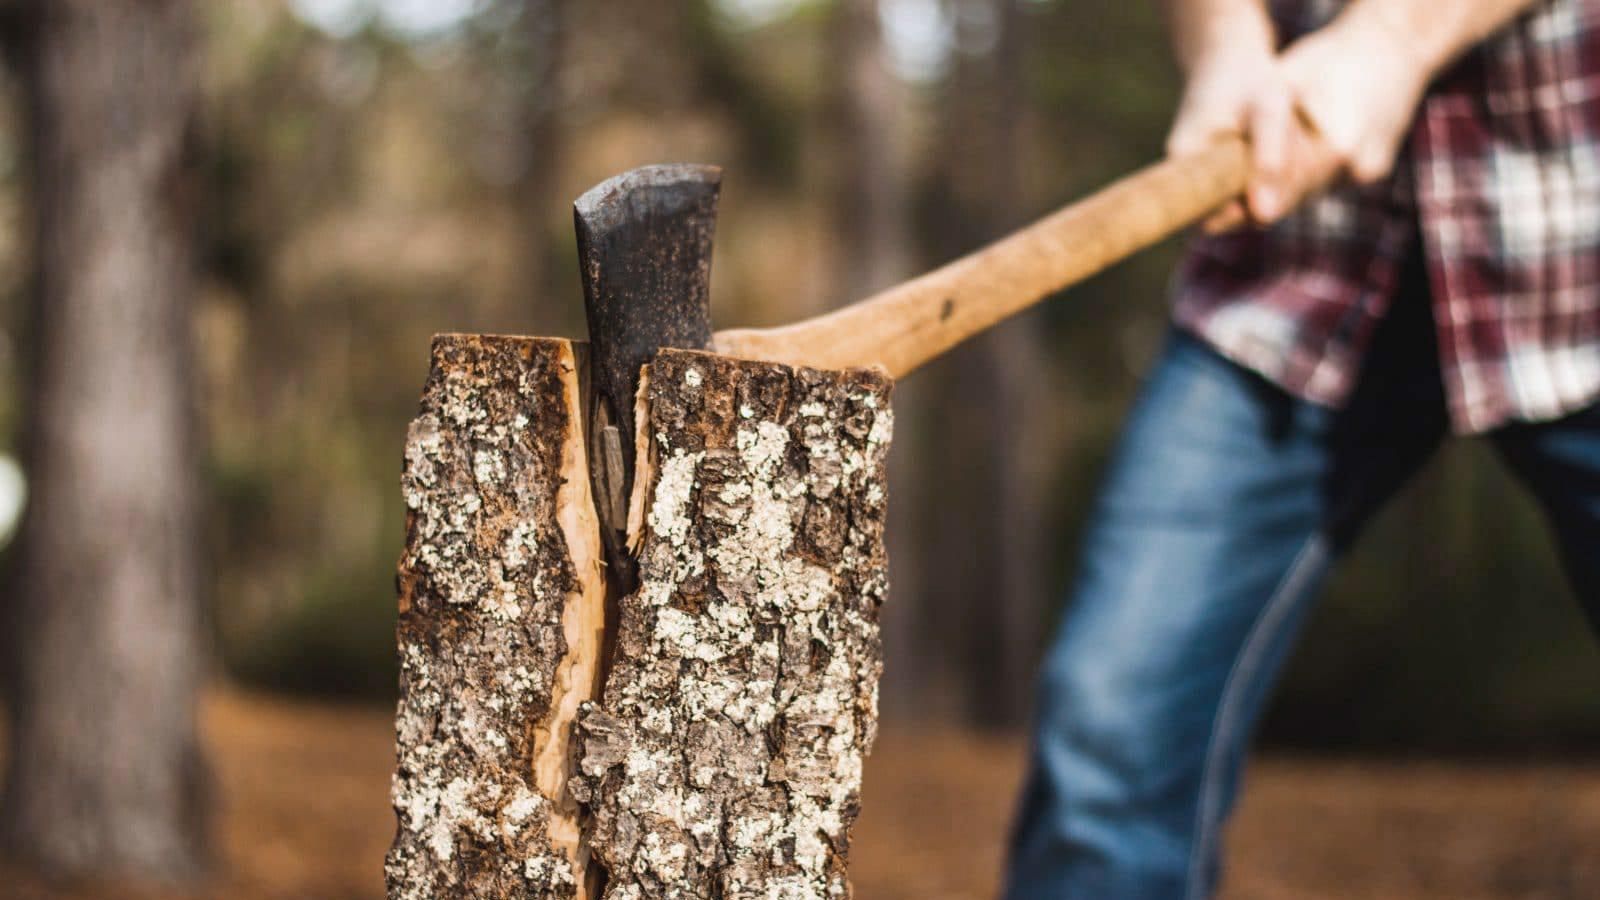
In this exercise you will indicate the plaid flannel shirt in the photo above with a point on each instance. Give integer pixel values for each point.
(1501, 179)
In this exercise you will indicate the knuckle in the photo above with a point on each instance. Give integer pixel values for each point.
(1179, 140)
(1344, 153)
(1370, 168)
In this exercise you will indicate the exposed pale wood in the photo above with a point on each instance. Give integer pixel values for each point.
(501, 610)
(725, 759)
(616, 472)
(644, 463)
(583, 622)
(907, 325)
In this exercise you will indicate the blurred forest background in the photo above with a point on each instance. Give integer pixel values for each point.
(374, 171)
(365, 173)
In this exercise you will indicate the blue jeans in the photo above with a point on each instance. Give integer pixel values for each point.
(1225, 505)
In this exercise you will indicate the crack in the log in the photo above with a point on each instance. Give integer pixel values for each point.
(733, 697)
(762, 546)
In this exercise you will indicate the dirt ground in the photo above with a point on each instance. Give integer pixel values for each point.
(304, 815)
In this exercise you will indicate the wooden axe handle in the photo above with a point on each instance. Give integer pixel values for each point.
(911, 323)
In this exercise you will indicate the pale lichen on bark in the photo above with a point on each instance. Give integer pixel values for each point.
(725, 758)
(489, 579)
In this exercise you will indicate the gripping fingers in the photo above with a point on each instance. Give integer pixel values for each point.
(1272, 124)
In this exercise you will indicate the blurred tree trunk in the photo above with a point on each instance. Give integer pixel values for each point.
(870, 221)
(105, 771)
(871, 218)
(1016, 358)
(984, 587)
(544, 27)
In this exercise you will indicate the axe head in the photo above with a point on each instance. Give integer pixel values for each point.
(644, 254)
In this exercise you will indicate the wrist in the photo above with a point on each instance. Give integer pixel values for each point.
(1387, 29)
(1223, 31)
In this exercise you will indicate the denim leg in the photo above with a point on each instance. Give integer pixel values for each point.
(1211, 499)
(1218, 521)
(1560, 463)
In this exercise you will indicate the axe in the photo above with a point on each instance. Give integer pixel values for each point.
(644, 245)
(760, 500)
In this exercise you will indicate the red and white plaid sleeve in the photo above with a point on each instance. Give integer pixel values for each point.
(1502, 183)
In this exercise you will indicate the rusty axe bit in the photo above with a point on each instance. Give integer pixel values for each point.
(644, 254)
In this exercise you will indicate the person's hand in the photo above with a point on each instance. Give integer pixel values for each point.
(1236, 84)
(1337, 103)
(1359, 82)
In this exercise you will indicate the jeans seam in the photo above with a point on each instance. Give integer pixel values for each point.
(1225, 720)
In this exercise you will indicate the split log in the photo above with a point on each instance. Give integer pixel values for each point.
(501, 612)
(725, 758)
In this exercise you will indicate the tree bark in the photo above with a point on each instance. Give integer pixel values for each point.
(725, 759)
(501, 610)
(104, 773)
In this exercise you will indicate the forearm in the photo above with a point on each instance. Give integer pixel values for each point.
(1199, 27)
(1435, 32)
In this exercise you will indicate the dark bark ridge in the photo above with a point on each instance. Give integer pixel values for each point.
(725, 757)
(484, 583)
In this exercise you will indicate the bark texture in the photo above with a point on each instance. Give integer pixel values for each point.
(104, 763)
(725, 758)
(501, 608)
